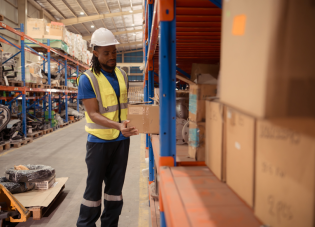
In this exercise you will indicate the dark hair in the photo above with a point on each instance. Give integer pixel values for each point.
(95, 64)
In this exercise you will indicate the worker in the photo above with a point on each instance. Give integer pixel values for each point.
(103, 90)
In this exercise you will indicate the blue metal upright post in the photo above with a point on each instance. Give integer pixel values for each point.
(167, 79)
(23, 79)
(78, 104)
(66, 94)
(49, 82)
(44, 64)
(145, 93)
(150, 90)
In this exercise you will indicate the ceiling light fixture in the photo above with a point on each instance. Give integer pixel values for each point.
(133, 24)
(134, 33)
(82, 13)
(130, 11)
(92, 26)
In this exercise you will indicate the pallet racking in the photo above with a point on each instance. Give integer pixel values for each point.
(178, 33)
(48, 96)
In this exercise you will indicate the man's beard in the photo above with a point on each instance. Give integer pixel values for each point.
(109, 67)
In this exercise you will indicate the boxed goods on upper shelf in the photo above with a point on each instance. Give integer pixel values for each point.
(36, 28)
(267, 57)
(60, 38)
(55, 30)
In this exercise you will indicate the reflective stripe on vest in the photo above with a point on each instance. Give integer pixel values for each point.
(108, 103)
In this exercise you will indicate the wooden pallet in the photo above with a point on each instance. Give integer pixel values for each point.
(46, 131)
(46, 86)
(56, 127)
(62, 87)
(35, 135)
(15, 83)
(39, 212)
(20, 143)
(1, 17)
(5, 146)
(65, 124)
(36, 85)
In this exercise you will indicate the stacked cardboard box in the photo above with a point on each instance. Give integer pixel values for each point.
(55, 30)
(265, 141)
(36, 28)
(198, 93)
(268, 57)
(71, 43)
(215, 155)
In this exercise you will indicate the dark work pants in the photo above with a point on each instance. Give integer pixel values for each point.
(105, 162)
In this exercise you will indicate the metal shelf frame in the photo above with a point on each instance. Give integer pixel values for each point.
(22, 91)
(171, 42)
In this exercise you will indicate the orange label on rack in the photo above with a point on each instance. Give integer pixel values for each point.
(239, 24)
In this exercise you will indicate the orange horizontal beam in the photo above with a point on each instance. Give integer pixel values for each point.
(200, 41)
(198, 34)
(171, 199)
(194, 18)
(198, 11)
(198, 24)
(194, 37)
(193, 29)
(195, 3)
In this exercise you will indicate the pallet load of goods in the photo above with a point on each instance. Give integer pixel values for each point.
(35, 188)
(70, 43)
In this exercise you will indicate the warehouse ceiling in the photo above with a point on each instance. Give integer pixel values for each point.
(122, 17)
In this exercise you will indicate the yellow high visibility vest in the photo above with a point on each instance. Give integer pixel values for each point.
(108, 103)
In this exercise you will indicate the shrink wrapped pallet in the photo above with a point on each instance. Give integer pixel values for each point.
(15, 187)
(36, 173)
(33, 73)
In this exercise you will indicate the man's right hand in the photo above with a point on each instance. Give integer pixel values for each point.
(127, 132)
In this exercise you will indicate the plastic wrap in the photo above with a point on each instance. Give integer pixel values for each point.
(33, 73)
(78, 47)
(71, 112)
(14, 187)
(36, 173)
(6, 56)
(53, 68)
(74, 106)
(68, 38)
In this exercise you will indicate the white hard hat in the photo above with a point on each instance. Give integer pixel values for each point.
(103, 37)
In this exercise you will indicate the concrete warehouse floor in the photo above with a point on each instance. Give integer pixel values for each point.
(65, 150)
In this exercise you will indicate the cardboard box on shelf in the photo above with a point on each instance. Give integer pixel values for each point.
(204, 69)
(268, 62)
(196, 143)
(197, 95)
(145, 118)
(55, 30)
(285, 172)
(215, 154)
(36, 28)
(240, 153)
